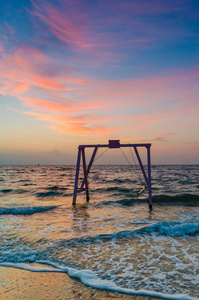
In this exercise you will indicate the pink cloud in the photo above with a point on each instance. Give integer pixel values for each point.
(69, 25)
(59, 107)
(28, 67)
(18, 72)
(102, 37)
(105, 100)
(92, 106)
(60, 24)
(78, 29)
(22, 74)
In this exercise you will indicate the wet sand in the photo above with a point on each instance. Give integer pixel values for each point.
(22, 284)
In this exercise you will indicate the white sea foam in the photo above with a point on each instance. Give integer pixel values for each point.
(89, 278)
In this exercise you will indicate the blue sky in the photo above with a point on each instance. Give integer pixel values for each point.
(80, 72)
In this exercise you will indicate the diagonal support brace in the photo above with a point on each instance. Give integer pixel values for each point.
(88, 169)
(141, 166)
(84, 167)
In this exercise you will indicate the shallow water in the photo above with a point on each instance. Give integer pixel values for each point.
(112, 242)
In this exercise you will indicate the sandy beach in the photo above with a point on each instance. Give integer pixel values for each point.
(22, 284)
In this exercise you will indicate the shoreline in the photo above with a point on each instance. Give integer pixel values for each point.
(22, 284)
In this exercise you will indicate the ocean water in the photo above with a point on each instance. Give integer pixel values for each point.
(113, 242)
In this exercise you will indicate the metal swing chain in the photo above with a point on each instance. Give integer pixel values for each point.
(136, 167)
(101, 154)
(136, 171)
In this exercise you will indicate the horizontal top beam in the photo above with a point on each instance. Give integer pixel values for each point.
(121, 145)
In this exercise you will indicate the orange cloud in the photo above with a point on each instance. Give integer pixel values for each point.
(73, 125)
(57, 106)
(47, 105)
(81, 129)
(95, 106)
(73, 117)
(28, 67)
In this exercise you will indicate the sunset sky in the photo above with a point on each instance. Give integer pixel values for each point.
(85, 71)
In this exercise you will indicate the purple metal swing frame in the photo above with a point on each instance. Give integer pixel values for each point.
(113, 144)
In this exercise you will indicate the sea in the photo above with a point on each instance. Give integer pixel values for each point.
(113, 242)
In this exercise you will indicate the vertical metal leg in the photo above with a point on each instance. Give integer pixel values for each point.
(89, 167)
(84, 166)
(77, 176)
(149, 177)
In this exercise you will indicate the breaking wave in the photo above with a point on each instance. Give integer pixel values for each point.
(161, 228)
(175, 228)
(24, 210)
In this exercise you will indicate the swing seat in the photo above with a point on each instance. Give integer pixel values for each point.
(142, 190)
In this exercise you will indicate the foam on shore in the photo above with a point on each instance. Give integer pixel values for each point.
(89, 278)
(18, 284)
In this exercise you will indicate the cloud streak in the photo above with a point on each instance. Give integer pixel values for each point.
(90, 103)
(89, 69)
